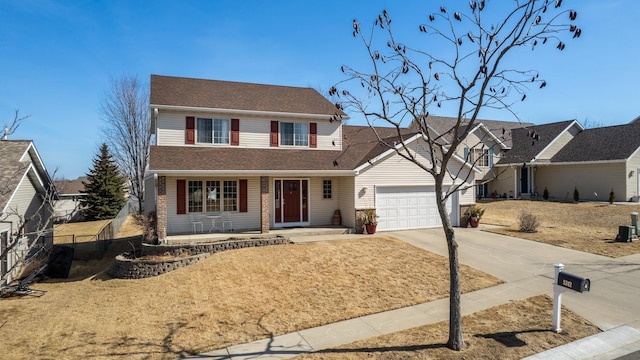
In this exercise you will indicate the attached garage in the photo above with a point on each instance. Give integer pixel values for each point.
(410, 207)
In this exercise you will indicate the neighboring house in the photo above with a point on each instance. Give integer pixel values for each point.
(565, 156)
(26, 193)
(483, 147)
(275, 156)
(67, 207)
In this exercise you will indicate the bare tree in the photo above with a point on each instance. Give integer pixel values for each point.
(461, 64)
(13, 126)
(124, 108)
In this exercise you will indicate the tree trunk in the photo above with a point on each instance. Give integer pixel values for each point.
(455, 342)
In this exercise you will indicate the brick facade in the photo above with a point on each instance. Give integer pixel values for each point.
(264, 204)
(161, 211)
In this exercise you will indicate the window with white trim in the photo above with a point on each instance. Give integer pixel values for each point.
(294, 134)
(213, 131)
(326, 189)
(216, 195)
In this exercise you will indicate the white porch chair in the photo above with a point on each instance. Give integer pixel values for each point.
(226, 219)
(195, 220)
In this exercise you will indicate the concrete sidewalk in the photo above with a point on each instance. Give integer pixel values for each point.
(527, 268)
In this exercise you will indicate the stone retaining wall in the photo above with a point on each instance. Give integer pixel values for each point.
(126, 266)
(212, 247)
(131, 268)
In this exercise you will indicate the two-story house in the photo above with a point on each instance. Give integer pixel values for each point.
(275, 156)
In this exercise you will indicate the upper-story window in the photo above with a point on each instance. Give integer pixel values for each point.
(213, 131)
(480, 157)
(294, 134)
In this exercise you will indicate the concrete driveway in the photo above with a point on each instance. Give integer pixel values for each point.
(614, 299)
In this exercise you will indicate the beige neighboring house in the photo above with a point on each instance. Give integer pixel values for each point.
(565, 156)
(273, 156)
(26, 192)
(68, 207)
(520, 160)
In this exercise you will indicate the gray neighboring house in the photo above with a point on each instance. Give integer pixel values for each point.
(26, 192)
(68, 207)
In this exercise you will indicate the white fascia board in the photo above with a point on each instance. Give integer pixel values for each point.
(634, 153)
(386, 153)
(594, 162)
(25, 174)
(40, 170)
(254, 172)
(246, 112)
(490, 133)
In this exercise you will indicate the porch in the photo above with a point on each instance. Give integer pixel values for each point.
(188, 238)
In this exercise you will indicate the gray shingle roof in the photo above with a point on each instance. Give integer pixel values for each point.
(442, 124)
(525, 148)
(180, 91)
(601, 144)
(11, 168)
(360, 145)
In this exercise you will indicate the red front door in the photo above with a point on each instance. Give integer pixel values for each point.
(291, 200)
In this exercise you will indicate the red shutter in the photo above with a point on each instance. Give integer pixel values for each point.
(274, 133)
(243, 196)
(181, 198)
(235, 132)
(190, 130)
(313, 135)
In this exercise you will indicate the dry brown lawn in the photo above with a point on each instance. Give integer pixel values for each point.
(84, 231)
(229, 298)
(589, 227)
(510, 331)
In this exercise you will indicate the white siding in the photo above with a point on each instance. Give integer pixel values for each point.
(181, 224)
(321, 212)
(346, 188)
(254, 131)
(632, 176)
(394, 171)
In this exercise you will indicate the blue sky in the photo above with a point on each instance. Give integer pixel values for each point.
(57, 58)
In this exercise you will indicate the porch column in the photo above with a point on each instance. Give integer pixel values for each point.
(264, 204)
(516, 177)
(161, 208)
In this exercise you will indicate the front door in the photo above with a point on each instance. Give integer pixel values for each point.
(291, 200)
(524, 181)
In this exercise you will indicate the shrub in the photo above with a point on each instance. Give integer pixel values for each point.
(527, 222)
(576, 194)
(612, 197)
(545, 194)
(476, 212)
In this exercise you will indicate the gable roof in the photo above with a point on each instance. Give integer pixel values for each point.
(525, 148)
(601, 144)
(70, 187)
(230, 95)
(18, 159)
(500, 129)
(360, 145)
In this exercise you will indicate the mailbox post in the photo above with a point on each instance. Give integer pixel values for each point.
(562, 282)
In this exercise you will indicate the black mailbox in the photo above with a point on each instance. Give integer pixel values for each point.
(573, 282)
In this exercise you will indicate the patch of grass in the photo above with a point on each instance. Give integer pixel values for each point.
(510, 331)
(588, 227)
(229, 298)
(84, 231)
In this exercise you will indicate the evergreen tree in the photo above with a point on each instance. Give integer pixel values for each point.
(104, 188)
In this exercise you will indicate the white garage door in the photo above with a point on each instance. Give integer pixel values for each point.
(408, 207)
